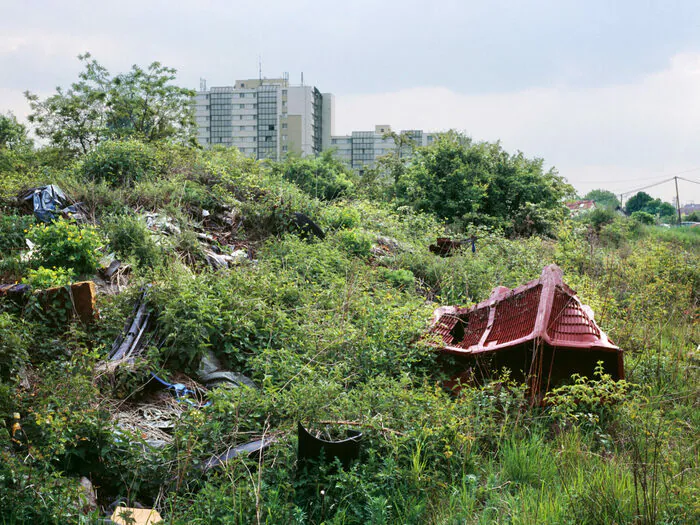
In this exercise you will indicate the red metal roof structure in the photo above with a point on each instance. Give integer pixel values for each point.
(539, 330)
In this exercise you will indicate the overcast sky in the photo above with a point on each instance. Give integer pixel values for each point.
(607, 91)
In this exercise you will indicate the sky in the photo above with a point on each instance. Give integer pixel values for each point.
(605, 91)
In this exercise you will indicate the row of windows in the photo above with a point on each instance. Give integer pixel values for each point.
(244, 95)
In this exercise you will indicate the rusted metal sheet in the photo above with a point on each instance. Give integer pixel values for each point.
(543, 314)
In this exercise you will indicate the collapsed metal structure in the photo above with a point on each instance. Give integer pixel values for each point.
(540, 331)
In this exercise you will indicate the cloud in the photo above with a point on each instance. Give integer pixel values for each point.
(612, 137)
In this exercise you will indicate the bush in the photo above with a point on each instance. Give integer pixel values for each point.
(599, 217)
(324, 177)
(398, 278)
(42, 278)
(66, 244)
(13, 344)
(129, 237)
(120, 162)
(643, 217)
(355, 242)
(13, 229)
(342, 216)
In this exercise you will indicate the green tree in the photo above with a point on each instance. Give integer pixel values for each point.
(604, 198)
(638, 202)
(462, 181)
(144, 104)
(13, 134)
(141, 104)
(15, 145)
(324, 177)
(74, 119)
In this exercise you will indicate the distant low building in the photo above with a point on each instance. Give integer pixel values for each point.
(690, 208)
(362, 149)
(582, 206)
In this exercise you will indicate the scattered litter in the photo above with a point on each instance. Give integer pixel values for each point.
(110, 270)
(49, 201)
(249, 449)
(182, 393)
(205, 213)
(133, 516)
(444, 246)
(387, 246)
(313, 448)
(149, 421)
(161, 223)
(222, 261)
(307, 227)
(13, 290)
(211, 373)
(540, 331)
(89, 493)
(130, 343)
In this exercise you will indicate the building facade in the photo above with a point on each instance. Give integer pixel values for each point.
(270, 118)
(362, 149)
(265, 118)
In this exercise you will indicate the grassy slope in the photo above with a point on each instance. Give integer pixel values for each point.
(332, 333)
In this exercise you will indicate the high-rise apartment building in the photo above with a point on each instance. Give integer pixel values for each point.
(265, 118)
(361, 149)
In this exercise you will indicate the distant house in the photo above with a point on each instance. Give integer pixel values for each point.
(690, 208)
(582, 206)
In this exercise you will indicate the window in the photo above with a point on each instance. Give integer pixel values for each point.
(284, 92)
(284, 125)
(284, 148)
(271, 127)
(284, 138)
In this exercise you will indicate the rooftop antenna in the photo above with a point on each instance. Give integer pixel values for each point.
(260, 67)
(302, 78)
(202, 84)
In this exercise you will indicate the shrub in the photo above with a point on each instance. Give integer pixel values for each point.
(325, 177)
(13, 229)
(13, 344)
(46, 277)
(643, 217)
(66, 244)
(599, 217)
(129, 237)
(398, 278)
(120, 162)
(342, 216)
(355, 242)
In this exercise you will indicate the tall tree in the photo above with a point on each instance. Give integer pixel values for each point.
(638, 202)
(604, 198)
(141, 104)
(459, 180)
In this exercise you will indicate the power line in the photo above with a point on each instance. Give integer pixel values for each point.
(646, 187)
(644, 179)
(688, 180)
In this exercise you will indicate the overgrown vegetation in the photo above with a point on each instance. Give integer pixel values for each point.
(333, 330)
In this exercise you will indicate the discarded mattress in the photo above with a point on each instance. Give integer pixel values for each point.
(540, 331)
